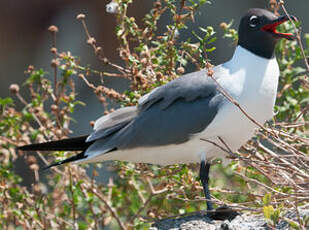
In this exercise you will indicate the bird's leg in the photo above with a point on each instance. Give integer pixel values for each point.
(204, 177)
(221, 213)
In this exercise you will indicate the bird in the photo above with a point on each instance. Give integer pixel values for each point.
(171, 123)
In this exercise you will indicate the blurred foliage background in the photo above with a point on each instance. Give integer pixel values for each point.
(102, 60)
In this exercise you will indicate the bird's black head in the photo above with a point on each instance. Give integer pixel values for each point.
(258, 34)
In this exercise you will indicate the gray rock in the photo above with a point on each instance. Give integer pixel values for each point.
(198, 221)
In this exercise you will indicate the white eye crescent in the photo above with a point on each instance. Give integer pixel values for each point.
(254, 21)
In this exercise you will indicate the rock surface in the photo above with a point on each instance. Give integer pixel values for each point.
(199, 221)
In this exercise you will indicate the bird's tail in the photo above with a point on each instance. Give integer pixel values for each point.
(70, 144)
(70, 159)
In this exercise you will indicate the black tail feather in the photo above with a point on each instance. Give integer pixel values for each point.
(69, 144)
(70, 159)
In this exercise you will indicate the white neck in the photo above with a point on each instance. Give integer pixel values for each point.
(252, 81)
(243, 58)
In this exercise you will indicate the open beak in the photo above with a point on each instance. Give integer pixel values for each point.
(271, 27)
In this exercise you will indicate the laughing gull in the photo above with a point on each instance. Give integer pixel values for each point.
(171, 123)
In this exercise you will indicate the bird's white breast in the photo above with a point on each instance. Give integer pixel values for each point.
(252, 81)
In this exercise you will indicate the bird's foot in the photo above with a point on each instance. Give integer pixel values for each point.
(222, 213)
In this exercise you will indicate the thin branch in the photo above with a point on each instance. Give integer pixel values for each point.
(109, 207)
(98, 50)
(53, 30)
(232, 100)
(72, 199)
(297, 35)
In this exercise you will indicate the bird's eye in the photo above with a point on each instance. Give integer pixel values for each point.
(254, 21)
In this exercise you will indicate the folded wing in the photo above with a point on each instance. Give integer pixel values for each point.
(171, 114)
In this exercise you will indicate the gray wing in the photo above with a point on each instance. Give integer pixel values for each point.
(170, 114)
(188, 87)
(173, 125)
(111, 123)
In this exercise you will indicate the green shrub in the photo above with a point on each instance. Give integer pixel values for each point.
(276, 159)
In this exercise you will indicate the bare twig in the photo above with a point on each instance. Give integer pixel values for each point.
(53, 30)
(297, 35)
(98, 50)
(232, 100)
(72, 199)
(109, 207)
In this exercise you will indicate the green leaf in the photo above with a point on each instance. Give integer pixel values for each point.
(212, 40)
(210, 49)
(82, 225)
(6, 101)
(268, 211)
(36, 76)
(294, 225)
(275, 216)
(267, 199)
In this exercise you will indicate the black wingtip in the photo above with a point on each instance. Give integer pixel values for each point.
(25, 148)
(68, 144)
(50, 166)
(70, 159)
